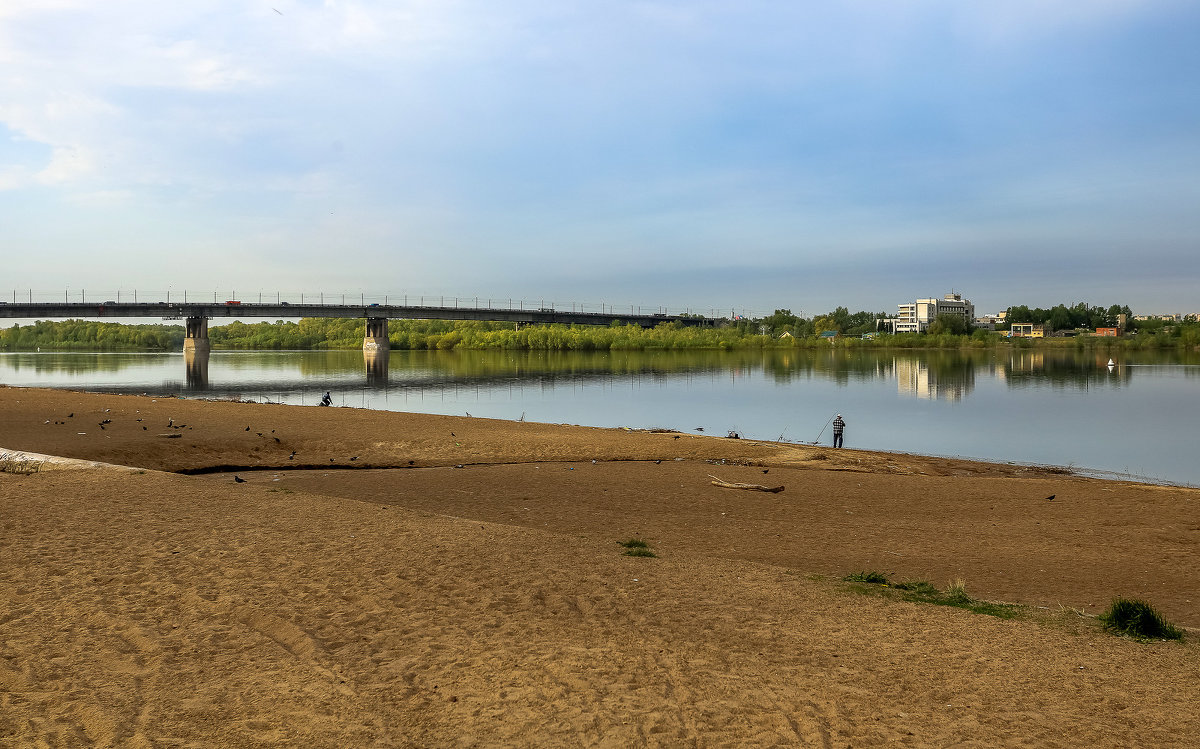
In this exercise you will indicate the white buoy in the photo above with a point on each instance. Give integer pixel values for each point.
(1110, 364)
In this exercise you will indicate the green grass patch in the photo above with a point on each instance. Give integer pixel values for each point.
(875, 578)
(922, 591)
(636, 548)
(639, 552)
(1138, 619)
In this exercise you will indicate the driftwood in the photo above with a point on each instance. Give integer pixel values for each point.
(754, 487)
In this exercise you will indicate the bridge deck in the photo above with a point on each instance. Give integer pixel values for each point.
(173, 310)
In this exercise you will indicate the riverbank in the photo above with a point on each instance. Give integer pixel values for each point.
(407, 580)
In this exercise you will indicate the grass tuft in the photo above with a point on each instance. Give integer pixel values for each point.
(1138, 619)
(875, 578)
(921, 591)
(636, 548)
(639, 551)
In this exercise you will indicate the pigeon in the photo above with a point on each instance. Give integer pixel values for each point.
(354, 458)
(239, 480)
(247, 429)
(1052, 496)
(657, 462)
(292, 455)
(676, 437)
(70, 416)
(699, 429)
(276, 439)
(766, 470)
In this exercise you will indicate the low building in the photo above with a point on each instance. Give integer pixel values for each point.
(915, 317)
(1108, 332)
(1026, 330)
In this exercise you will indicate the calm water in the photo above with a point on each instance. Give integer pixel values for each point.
(1061, 408)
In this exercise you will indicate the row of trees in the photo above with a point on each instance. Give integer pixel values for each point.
(782, 329)
(87, 335)
(1062, 317)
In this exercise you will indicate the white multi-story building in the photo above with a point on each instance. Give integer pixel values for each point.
(916, 316)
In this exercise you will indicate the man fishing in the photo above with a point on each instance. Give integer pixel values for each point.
(838, 426)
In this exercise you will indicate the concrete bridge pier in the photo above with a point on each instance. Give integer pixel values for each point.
(377, 335)
(196, 339)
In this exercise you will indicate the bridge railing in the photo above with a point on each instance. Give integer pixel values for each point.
(358, 298)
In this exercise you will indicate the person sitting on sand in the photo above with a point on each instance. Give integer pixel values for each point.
(326, 400)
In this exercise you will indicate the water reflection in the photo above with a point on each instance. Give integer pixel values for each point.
(196, 364)
(931, 375)
(376, 365)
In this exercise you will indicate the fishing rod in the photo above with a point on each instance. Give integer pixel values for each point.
(818, 439)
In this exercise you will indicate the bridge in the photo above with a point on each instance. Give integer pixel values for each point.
(375, 339)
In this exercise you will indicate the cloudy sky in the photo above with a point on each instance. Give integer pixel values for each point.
(745, 154)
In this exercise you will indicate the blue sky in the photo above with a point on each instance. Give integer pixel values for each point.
(755, 155)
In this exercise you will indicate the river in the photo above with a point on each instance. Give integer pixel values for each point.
(1056, 407)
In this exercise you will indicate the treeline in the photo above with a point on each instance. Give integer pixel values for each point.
(1062, 317)
(781, 330)
(323, 333)
(87, 335)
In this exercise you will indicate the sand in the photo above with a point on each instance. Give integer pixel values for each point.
(359, 588)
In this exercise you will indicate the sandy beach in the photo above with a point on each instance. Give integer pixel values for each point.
(262, 575)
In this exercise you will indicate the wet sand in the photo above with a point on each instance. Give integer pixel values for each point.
(357, 587)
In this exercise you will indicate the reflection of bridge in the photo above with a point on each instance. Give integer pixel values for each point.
(376, 371)
(196, 315)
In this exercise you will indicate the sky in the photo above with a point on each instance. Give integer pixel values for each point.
(746, 155)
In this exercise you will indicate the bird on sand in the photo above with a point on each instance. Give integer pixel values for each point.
(1052, 496)
(239, 480)
(247, 429)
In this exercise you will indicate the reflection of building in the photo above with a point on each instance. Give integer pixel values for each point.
(916, 316)
(915, 377)
(1027, 361)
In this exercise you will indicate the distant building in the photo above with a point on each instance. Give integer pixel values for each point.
(1026, 330)
(989, 322)
(1108, 332)
(915, 317)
